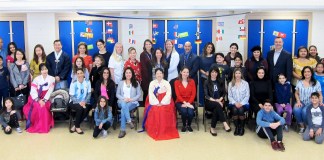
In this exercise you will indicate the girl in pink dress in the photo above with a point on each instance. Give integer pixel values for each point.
(37, 109)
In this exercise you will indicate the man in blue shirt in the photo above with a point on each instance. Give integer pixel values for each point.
(3, 53)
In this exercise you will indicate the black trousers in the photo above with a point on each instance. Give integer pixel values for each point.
(13, 123)
(80, 114)
(217, 111)
(97, 131)
(267, 132)
(187, 114)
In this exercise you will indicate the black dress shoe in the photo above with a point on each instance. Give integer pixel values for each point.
(184, 129)
(213, 134)
(229, 130)
(71, 131)
(236, 132)
(190, 129)
(241, 131)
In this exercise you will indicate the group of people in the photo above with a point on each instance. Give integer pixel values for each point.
(168, 81)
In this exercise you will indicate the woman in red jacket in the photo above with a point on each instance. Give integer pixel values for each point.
(186, 92)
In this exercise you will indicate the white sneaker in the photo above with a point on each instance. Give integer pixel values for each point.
(104, 133)
(301, 130)
(19, 130)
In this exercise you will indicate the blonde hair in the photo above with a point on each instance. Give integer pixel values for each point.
(115, 54)
(173, 48)
(233, 81)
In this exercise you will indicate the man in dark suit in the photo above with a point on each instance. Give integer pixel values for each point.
(190, 60)
(58, 64)
(280, 61)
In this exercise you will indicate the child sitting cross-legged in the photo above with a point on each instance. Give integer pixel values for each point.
(270, 124)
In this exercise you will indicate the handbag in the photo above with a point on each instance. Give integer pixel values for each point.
(19, 101)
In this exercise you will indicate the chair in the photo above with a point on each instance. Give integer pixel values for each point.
(225, 110)
(135, 118)
(196, 117)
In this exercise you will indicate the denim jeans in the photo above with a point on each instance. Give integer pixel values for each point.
(300, 113)
(124, 113)
(61, 85)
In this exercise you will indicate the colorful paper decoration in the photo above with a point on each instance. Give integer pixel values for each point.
(90, 46)
(88, 22)
(131, 32)
(130, 26)
(131, 41)
(198, 41)
(242, 28)
(241, 37)
(155, 25)
(175, 41)
(109, 31)
(221, 24)
(176, 26)
(241, 21)
(86, 35)
(155, 33)
(110, 40)
(220, 31)
(180, 45)
(220, 38)
(183, 34)
(279, 34)
(88, 30)
(109, 24)
(175, 34)
(153, 40)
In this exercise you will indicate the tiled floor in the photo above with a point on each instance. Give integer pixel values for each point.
(200, 145)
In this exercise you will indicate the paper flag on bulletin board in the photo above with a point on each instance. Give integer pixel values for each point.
(90, 46)
(180, 45)
(176, 26)
(153, 40)
(89, 23)
(155, 25)
(130, 26)
(88, 30)
(109, 24)
(220, 38)
(86, 35)
(198, 41)
(131, 32)
(110, 40)
(109, 31)
(155, 33)
(279, 34)
(183, 34)
(175, 41)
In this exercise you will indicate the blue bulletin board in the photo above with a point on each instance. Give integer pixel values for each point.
(182, 31)
(206, 33)
(5, 33)
(18, 35)
(271, 27)
(301, 34)
(65, 37)
(88, 32)
(254, 35)
(158, 33)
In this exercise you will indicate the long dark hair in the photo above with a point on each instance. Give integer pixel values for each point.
(21, 51)
(105, 109)
(43, 53)
(75, 67)
(8, 48)
(101, 75)
(205, 49)
(163, 59)
(218, 78)
(312, 80)
(133, 79)
(4, 108)
(144, 49)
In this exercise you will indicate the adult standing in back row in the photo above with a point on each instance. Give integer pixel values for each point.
(190, 60)
(279, 61)
(58, 64)
(146, 66)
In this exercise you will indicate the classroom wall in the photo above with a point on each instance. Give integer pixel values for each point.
(317, 31)
(40, 30)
